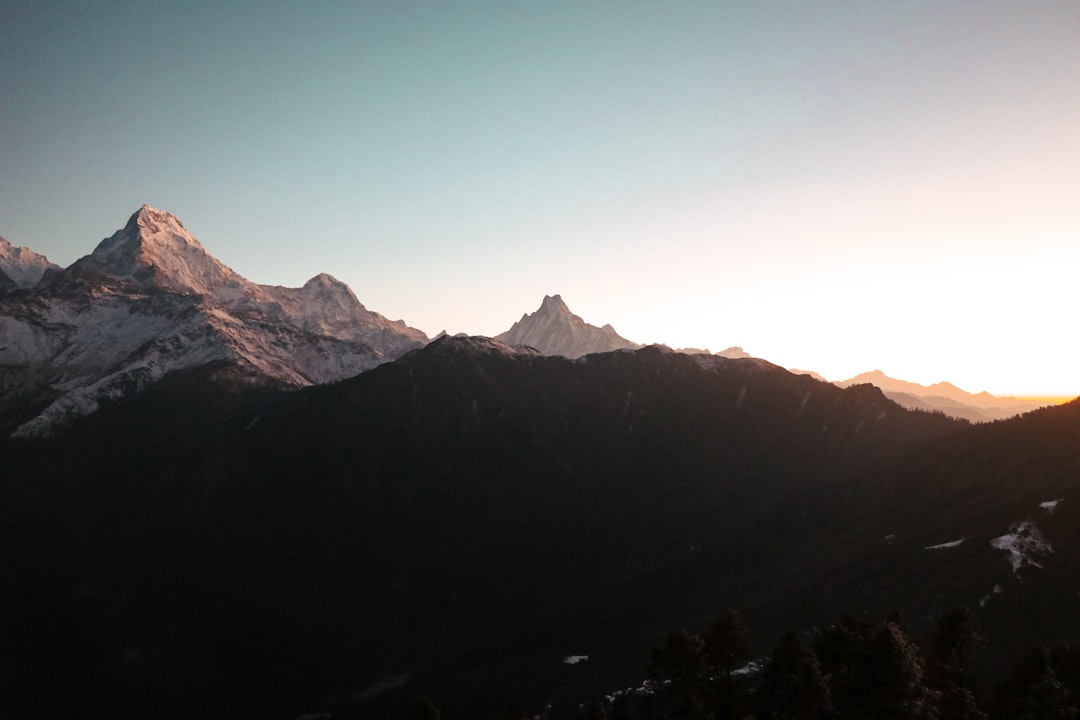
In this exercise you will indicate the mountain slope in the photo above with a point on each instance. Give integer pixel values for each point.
(457, 521)
(150, 300)
(468, 511)
(554, 330)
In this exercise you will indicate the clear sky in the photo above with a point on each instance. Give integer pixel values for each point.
(834, 186)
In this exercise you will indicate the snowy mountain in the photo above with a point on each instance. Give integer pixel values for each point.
(150, 300)
(944, 397)
(554, 330)
(21, 267)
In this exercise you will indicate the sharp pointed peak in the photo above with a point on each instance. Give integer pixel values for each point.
(553, 303)
(149, 220)
(154, 248)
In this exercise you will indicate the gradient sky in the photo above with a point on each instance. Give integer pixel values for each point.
(834, 186)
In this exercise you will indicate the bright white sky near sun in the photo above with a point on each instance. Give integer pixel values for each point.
(834, 186)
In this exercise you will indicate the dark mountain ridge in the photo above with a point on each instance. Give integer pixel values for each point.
(468, 511)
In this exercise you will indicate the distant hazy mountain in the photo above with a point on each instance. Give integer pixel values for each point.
(21, 267)
(149, 301)
(554, 330)
(733, 353)
(945, 397)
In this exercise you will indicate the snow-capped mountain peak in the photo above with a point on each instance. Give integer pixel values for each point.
(21, 267)
(554, 330)
(150, 300)
(154, 249)
(554, 304)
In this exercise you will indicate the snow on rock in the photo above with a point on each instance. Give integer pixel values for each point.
(751, 668)
(155, 250)
(986, 598)
(554, 330)
(1050, 505)
(22, 267)
(1023, 542)
(942, 546)
(648, 687)
(574, 659)
(390, 682)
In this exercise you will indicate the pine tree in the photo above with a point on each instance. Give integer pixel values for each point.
(1034, 692)
(891, 678)
(680, 665)
(424, 709)
(957, 635)
(794, 685)
(841, 649)
(727, 646)
(727, 643)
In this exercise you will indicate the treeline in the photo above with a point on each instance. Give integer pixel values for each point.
(855, 669)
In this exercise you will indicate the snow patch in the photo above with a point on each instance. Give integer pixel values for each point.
(986, 598)
(648, 687)
(950, 544)
(1050, 505)
(390, 682)
(575, 659)
(750, 668)
(1022, 543)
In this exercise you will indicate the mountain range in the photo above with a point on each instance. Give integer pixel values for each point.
(225, 499)
(457, 521)
(149, 300)
(946, 398)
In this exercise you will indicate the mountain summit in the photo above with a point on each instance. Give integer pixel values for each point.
(154, 249)
(554, 330)
(21, 267)
(150, 300)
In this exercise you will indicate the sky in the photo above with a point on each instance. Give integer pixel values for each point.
(833, 186)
